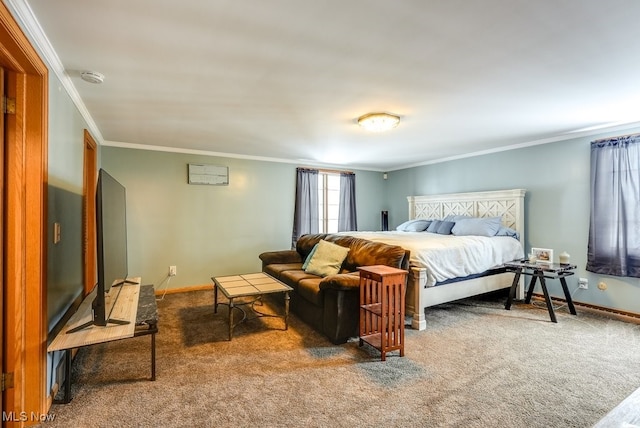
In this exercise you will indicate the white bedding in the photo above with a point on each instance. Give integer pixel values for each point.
(448, 256)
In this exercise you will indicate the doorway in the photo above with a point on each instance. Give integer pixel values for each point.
(89, 212)
(23, 213)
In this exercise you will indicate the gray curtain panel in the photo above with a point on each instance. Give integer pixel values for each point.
(305, 215)
(614, 229)
(347, 220)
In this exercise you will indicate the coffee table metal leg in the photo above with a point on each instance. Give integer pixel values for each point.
(230, 317)
(215, 298)
(286, 310)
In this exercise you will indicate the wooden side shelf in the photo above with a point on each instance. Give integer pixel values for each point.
(382, 290)
(134, 303)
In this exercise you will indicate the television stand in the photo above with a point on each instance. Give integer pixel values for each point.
(90, 323)
(126, 281)
(110, 301)
(135, 314)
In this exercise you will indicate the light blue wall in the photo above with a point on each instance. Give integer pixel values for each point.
(64, 195)
(556, 177)
(207, 230)
(64, 205)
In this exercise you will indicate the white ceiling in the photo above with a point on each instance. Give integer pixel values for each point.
(286, 79)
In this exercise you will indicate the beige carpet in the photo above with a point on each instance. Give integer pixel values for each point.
(476, 365)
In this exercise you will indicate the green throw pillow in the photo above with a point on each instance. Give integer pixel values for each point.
(327, 259)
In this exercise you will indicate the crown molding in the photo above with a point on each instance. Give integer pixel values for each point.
(571, 135)
(27, 20)
(307, 162)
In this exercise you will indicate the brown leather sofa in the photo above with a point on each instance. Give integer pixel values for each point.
(330, 304)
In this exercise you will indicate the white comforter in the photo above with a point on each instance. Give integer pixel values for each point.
(448, 256)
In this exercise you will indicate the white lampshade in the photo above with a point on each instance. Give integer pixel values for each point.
(378, 122)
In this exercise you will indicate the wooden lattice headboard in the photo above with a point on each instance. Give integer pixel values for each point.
(508, 204)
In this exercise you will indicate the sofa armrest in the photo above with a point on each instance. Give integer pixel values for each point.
(341, 281)
(279, 257)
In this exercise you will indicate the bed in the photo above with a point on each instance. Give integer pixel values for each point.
(430, 285)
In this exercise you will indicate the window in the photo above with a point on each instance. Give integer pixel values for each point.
(614, 229)
(328, 201)
(325, 203)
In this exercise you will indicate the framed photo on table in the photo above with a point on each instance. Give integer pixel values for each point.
(542, 255)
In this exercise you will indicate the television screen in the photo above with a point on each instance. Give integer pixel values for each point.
(111, 231)
(111, 217)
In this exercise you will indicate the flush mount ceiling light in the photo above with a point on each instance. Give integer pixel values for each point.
(378, 122)
(92, 77)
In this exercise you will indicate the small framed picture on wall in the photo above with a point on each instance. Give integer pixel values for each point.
(542, 255)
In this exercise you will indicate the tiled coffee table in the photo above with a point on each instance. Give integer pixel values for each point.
(252, 287)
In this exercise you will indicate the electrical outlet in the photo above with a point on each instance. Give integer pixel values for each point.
(172, 271)
(583, 283)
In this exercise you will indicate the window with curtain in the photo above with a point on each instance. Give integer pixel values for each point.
(614, 228)
(325, 202)
(329, 201)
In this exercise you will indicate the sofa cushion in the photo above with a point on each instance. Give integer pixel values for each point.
(363, 252)
(293, 277)
(309, 289)
(327, 259)
(305, 243)
(283, 256)
(276, 269)
(342, 281)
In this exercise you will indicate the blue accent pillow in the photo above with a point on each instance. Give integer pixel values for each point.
(507, 231)
(477, 226)
(433, 227)
(445, 227)
(441, 227)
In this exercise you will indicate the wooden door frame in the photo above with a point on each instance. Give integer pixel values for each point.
(89, 211)
(2, 134)
(25, 268)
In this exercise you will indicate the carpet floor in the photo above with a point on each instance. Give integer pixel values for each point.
(476, 365)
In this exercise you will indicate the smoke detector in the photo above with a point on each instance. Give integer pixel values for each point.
(92, 77)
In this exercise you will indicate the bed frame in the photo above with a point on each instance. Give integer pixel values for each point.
(508, 204)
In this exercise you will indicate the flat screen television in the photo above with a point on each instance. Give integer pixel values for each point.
(111, 230)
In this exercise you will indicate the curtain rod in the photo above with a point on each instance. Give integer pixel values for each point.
(335, 171)
(618, 136)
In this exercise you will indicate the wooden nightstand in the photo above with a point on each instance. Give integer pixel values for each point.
(382, 290)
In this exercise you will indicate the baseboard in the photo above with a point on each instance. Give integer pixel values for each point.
(600, 310)
(184, 289)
